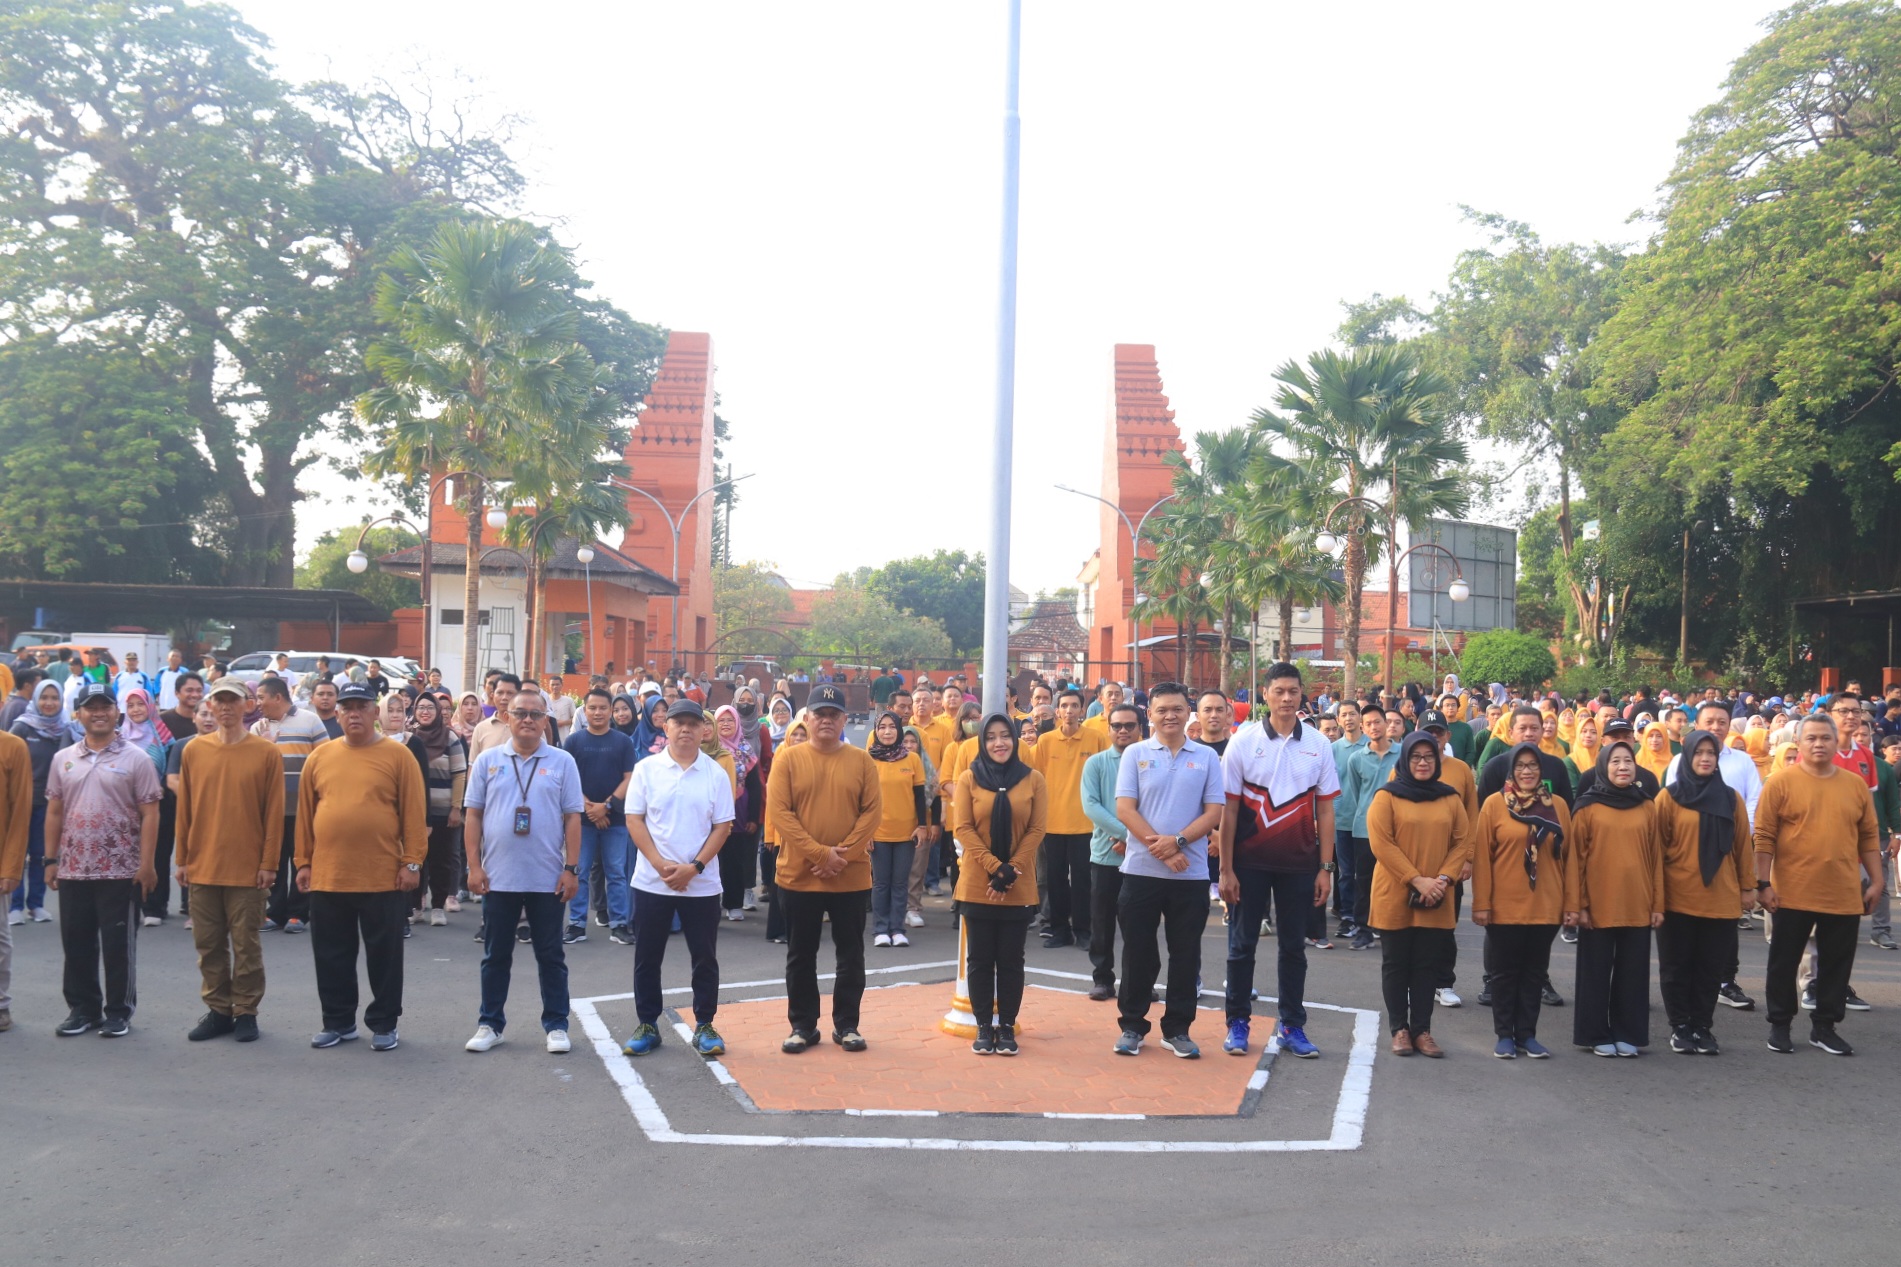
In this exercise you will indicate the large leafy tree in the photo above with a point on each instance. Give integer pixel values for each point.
(851, 619)
(164, 195)
(749, 595)
(946, 586)
(328, 567)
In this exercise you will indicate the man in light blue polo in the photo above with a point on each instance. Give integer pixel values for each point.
(522, 832)
(1169, 795)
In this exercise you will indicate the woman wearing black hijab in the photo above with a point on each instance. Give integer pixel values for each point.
(1620, 899)
(1709, 879)
(1002, 808)
(1421, 840)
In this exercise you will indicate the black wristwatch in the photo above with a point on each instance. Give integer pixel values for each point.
(572, 870)
(699, 866)
(1181, 842)
(1329, 867)
(1761, 885)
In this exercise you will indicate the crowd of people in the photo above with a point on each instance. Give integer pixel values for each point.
(352, 809)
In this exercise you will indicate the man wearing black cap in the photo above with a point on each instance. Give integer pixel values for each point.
(823, 799)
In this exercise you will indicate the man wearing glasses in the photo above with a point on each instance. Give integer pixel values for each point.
(1107, 844)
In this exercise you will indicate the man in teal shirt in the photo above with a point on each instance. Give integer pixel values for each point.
(1106, 844)
(1352, 740)
(1367, 768)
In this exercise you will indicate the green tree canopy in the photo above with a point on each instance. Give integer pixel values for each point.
(946, 586)
(328, 567)
(1519, 660)
(853, 620)
(749, 595)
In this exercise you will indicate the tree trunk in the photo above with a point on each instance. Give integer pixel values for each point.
(1356, 582)
(1286, 650)
(1227, 623)
(535, 654)
(472, 591)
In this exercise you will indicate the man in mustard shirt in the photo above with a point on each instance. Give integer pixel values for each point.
(1059, 757)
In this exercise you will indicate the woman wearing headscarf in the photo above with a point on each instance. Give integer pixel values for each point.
(957, 757)
(1002, 809)
(1709, 880)
(778, 717)
(903, 825)
(394, 720)
(1620, 899)
(1584, 748)
(754, 732)
(650, 732)
(740, 873)
(467, 715)
(1524, 885)
(1548, 742)
(1756, 743)
(1421, 842)
(1653, 753)
(933, 826)
(141, 727)
(444, 759)
(624, 714)
(46, 728)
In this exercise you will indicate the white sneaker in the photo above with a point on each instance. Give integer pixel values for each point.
(748, 903)
(913, 920)
(438, 918)
(42, 916)
(882, 939)
(16, 917)
(737, 917)
(899, 939)
(1447, 997)
(484, 1039)
(558, 1041)
(150, 921)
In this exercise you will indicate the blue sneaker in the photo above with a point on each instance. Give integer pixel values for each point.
(1130, 1044)
(1182, 1045)
(1237, 1044)
(706, 1042)
(1535, 1049)
(645, 1039)
(1506, 1049)
(388, 1041)
(1294, 1039)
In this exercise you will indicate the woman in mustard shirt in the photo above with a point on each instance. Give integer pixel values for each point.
(1002, 813)
(1524, 885)
(901, 792)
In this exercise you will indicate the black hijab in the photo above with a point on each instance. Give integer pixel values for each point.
(1713, 801)
(1603, 792)
(633, 707)
(1404, 785)
(999, 777)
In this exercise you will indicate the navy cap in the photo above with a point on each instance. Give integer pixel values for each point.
(1432, 718)
(93, 691)
(356, 690)
(685, 708)
(826, 696)
(1618, 723)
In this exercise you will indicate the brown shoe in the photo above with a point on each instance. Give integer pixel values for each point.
(1402, 1043)
(1424, 1044)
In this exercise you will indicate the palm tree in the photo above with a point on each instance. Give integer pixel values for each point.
(582, 511)
(1367, 422)
(485, 374)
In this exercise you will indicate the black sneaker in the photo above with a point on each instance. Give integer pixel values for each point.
(1825, 1037)
(1552, 997)
(600, 917)
(1855, 1003)
(1705, 1043)
(1808, 998)
(1006, 1040)
(117, 1027)
(985, 1044)
(211, 1025)
(1362, 940)
(1485, 997)
(1102, 993)
(1569, 936)
(1056, 941)
(1683, 1042)
(576, 932)
(525, 934)
(77, 1023)
(621, 935)
(1346, 930)
(244, 1029)
(850, 1039)
(1729, 994)
(1779, 1039)
(798, 1040)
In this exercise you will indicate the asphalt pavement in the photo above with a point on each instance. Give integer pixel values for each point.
(151, 1150)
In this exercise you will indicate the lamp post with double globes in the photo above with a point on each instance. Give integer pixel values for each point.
(1330, 542)
(359, 562)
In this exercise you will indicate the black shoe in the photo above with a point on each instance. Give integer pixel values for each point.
(525, 934)
(244, 1029)
(850, 1039)
(119, 1027)
(1705, 1043)
(1346, 929)
(798, 1040)
(621, 935)
(211, 1025)
(77, 1023)
(1729, 994)
(409, 930)
(576, 932)
(1808, 999)
(1102, 993)
(1855, 1003)
(1825, 1037)
(985, 1044)
(1779, 1039)
(1055, 941)
(1006, 1040)
(1552, 997)
(1362, 940)
(1683, 1041)
(1569, 936)
(600, 917)
(1485, 997)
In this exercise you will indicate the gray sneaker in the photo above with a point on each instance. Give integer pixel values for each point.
(1130, 1044)
(384, 1042)
(332, 1037)
(1882, 940)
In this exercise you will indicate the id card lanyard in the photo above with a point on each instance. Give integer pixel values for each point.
(524, 817)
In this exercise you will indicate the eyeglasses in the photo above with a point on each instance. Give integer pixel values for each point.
(526, 716)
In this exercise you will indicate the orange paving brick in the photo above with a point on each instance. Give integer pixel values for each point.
(1066, 1065)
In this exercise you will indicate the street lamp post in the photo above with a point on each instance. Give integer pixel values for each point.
(358, 562)
(674, 526)
(1135, 546)
(586, 555)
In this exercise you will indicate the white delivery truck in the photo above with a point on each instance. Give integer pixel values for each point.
(151, 648)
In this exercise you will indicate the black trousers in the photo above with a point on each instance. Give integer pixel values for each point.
(287, 902)
(805, 914)
(1105, 892)
(1066, 874)
(1613, 986)
(438, 868)
(338, 922)
(738, 868)
(99, 922)
(161, 895)
(1520, 958)
(1448, 972)
(769, 876)
(1693, 956)
(1411, 963)
(1362, 882)
(993, 943)
(1835, 938)
(1145, 903)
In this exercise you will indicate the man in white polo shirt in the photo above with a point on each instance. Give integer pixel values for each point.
(1281, 782)
(679, 813)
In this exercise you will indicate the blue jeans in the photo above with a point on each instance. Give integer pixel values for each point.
(500, 913)
(31, 890)
(1293, 898)
(654, 917)
(610, 846)
(890, 880)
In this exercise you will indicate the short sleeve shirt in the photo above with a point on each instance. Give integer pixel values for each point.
(680, 807)
(604, 761)
(549, 784)
(101, 793)
(1170, 790)
(1280, 780)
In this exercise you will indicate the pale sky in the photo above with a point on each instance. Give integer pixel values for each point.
(818, 186)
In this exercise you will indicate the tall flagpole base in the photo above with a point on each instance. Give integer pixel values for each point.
(960, 1020)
